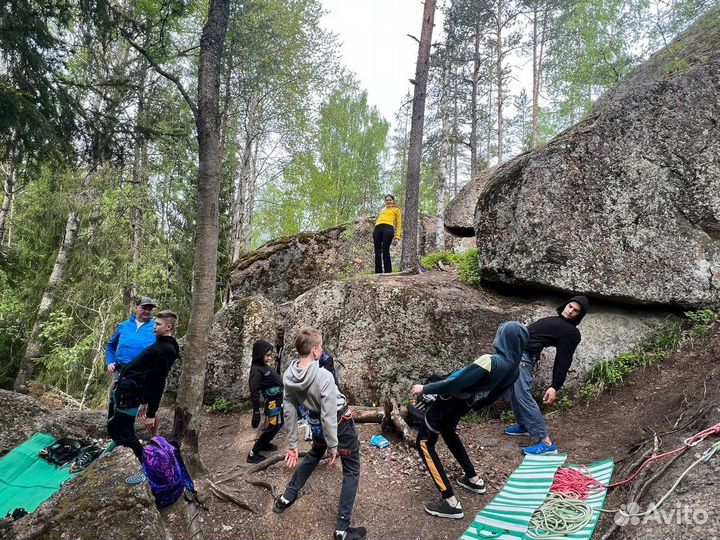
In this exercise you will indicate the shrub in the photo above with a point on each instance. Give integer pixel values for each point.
(446, 257)
(223, 405)
(469, 267)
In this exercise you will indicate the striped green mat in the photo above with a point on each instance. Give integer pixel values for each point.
(507, 516)
(601, 471)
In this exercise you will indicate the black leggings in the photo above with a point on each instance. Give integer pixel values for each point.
(383, 235)
(443, 416)
(121, 428)
(268, 434)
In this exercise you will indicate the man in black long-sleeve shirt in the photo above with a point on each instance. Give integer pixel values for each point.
(562, 333)
(142, 381)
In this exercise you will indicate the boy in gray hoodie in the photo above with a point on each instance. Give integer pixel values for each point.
(333, 430)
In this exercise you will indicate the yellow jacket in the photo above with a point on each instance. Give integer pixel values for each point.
(391, 216)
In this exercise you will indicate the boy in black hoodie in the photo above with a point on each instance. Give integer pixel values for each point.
(143, 381)
(266, 388)
(473, 387)
(561, 332)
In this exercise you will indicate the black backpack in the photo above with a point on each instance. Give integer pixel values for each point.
(62, 451)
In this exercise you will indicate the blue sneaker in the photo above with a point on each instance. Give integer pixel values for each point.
(540, 449)
(516, 430)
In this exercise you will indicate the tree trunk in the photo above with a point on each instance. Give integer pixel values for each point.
(139, 179)
(242, 186)
(186, 426)
(499, 75)
(444, 150)
(8, 194)
(474, 103)
(57, 278)
(409, 256)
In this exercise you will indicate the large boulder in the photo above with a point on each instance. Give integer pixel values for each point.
(235, 328)
(285, 268)
(626, 204)
(460, 212)
(388, 332)
(97, 503)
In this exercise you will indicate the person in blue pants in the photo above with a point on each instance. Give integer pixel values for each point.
(559, 331)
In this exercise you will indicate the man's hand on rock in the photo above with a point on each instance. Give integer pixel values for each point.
(417, 389)
(111, 367)
(142, 412)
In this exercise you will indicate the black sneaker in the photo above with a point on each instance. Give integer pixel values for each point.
(351, 533)
(270, 447)
(475, 487)
(442, 508)
(280, 505)
(255, 458)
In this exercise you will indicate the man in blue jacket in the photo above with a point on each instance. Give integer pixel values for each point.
(131, 337)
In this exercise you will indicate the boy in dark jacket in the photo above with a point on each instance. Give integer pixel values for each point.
(266, 390)
(476, 386)
(560, 331)
(143, 381)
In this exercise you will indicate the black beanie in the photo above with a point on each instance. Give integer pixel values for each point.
(260, 348)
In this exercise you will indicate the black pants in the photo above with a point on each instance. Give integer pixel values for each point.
(383, 235)
(121, 428)
(267, 435)
(442, 419)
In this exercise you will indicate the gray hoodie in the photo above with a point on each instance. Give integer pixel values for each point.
(314, 389)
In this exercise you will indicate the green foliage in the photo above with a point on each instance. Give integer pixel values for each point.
(223, 405)
(446, 257)
(608, 374)
(469, 267)
(701, 321)
(466, 261)
(337, 178)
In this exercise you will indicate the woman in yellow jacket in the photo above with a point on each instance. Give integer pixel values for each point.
(388, 229)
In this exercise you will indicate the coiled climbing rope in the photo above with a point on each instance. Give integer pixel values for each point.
(559, 516)
(565, 512)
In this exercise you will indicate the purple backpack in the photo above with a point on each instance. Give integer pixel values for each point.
(165, 471)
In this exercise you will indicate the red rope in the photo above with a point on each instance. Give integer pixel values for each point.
(573, 483)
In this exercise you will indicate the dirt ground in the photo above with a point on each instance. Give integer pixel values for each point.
(394, 485)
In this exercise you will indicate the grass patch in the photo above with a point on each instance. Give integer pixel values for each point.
(466, 262)
(608, 374)
(223, 405)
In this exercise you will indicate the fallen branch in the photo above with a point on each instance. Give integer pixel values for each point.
(263, 484)
(226, 495)
(368, 415)
(393, 417)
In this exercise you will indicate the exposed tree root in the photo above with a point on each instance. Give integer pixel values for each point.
(394, 419)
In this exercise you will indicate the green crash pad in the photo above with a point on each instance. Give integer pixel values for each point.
(26, 479)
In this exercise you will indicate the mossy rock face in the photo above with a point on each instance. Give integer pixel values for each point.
(388, 332)
(286, 267)
(97, 503)
(235, 328)
(625, 205)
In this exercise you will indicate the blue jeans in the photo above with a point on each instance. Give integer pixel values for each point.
(527, 412)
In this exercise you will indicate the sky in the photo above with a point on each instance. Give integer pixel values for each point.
(375, 45)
